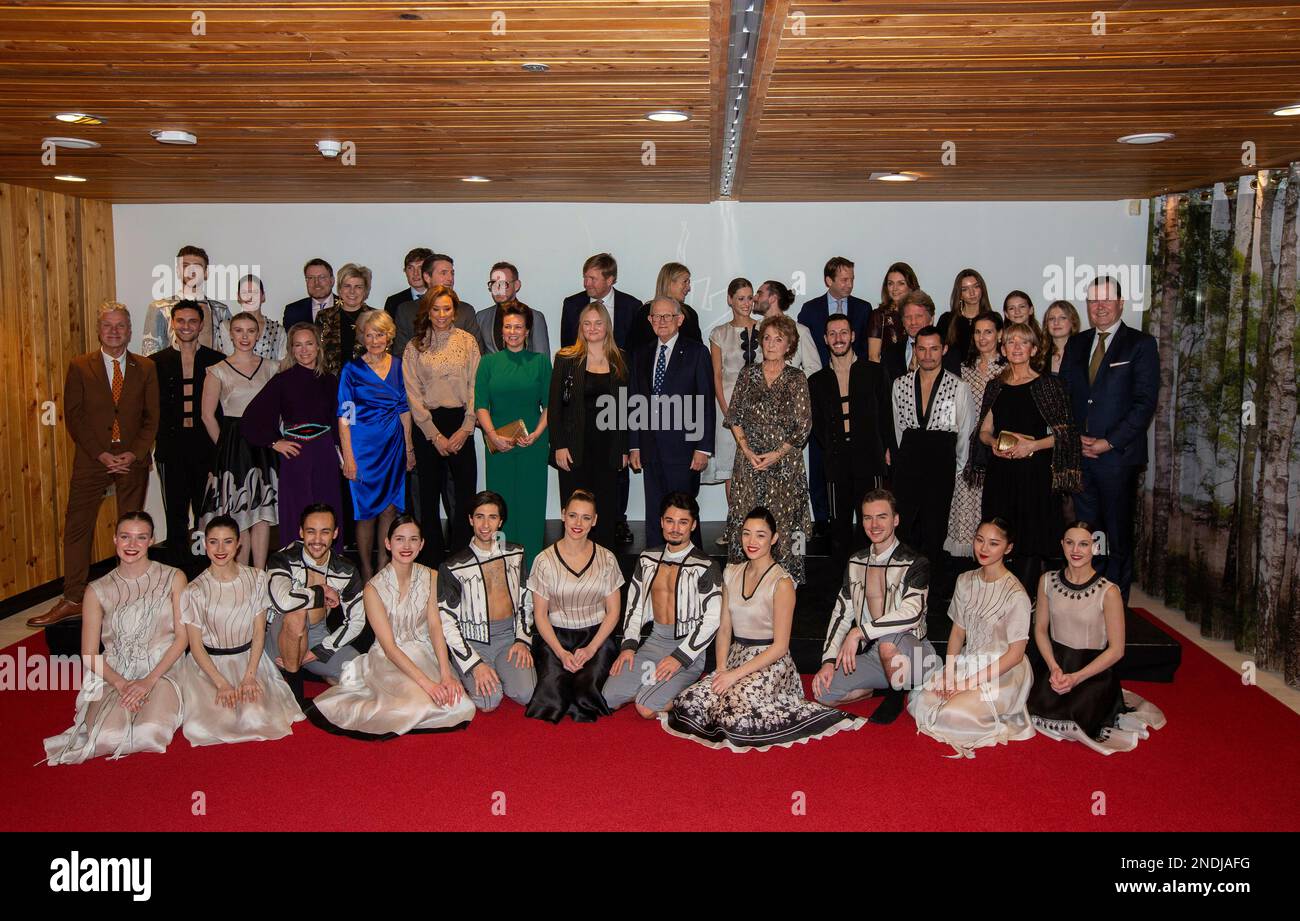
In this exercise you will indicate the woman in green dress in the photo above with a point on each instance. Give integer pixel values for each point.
(514, 385)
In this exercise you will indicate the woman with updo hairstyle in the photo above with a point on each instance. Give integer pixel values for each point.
(733, 346)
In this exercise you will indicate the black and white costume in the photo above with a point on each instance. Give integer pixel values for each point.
(697, 611)
(332, 639)
(901, 621)
(472, 636)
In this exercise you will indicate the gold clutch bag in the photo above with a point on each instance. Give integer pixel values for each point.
(510, 431)
(1007, 440)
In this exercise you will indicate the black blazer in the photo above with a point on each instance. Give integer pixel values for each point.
(690, 377)
(173, 438)
(870, 413)
(566, 423)
(643, 333)
(814, 314)
(625, 311)
(297, 312)
(893, 361)
(397, 300)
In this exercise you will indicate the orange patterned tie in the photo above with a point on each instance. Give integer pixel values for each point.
(117, 398)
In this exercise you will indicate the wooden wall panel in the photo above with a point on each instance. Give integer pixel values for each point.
(56, 265)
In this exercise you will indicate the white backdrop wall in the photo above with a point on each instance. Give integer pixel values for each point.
(1022, 245)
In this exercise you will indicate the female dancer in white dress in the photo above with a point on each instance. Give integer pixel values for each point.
(755, 700)
(1079, 629)
(978, 698)
(404, 683)
(130, 698)
(233, 693)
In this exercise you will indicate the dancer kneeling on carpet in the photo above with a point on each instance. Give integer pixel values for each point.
(487, 613)
(979, 697)
(404, 683)
(876, 638)
(1079, 629)
(681, 589)
(755, 699)
(574, 583)
(130, 697)
(232, 691)
(316, 611)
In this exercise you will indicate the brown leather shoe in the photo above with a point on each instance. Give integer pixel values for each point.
(64, 610)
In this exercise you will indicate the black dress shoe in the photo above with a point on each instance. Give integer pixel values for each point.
(889, 708)
(622, 533)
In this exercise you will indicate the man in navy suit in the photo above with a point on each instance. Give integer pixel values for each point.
(414, 290)
(319, 276)
(672, 378)
(599, 273)
(1112, 374)
(838, 299)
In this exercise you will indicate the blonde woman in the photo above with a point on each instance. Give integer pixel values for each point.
(338, 324)
(674, 281)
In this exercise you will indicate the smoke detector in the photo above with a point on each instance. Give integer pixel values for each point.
(329, 149)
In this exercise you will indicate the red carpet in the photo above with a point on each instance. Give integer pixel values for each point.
(1226, 760)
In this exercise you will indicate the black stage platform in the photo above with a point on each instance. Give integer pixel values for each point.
(1149, 653)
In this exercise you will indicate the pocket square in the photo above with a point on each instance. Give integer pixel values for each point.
(1116, 364)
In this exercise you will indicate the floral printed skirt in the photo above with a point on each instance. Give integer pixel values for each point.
(762, 709)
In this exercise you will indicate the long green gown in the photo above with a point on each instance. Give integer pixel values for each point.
(516, 385)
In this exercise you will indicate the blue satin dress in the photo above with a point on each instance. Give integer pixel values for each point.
(378, 441)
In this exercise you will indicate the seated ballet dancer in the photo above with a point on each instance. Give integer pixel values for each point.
(876, 638)
(232, 692)
(487, 612)
(681, 590)
(316, 611)
(130, 697)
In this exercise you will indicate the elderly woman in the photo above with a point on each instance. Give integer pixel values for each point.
(375, 434)
(674, 281)
(296, 416)
(244, 482)
(438, 368)
(512, 386)
(771, 416)
(338, 324)
(885, 327)
(587, 455)
(271, 339)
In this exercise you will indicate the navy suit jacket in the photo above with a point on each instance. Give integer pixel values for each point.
(297, 312)
(625, 311)
(397, 300)
(1120, 404)
(814, 314)
(690, 376)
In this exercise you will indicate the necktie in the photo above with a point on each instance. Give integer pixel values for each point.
(117, 398)
(661, 365)
(911, 354)
(1097, 354)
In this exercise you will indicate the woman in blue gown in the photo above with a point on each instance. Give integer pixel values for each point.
(375, 435)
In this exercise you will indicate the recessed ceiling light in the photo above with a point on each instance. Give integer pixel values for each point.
(895, 176)
(1288, 110)
(1148, 137)
(475, 179)
(170, 136)
(79, 118)
(71, 143)
(536, 68)
(68, 177)
(667, 115)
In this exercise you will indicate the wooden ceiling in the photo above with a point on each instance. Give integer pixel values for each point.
(1031, 98)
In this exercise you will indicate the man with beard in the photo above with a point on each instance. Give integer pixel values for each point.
(850, 406)
(681, 589)
(504, 285)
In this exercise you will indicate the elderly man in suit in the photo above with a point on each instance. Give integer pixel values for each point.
(110, 406)
(672, 381)
(319, 278)
(1112, 374)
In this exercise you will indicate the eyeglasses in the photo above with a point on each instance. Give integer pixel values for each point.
(494, 285)
(662, 317)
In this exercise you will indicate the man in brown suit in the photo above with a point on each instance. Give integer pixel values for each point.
(110, 406)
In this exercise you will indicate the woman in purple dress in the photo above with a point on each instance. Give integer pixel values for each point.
(296, 415)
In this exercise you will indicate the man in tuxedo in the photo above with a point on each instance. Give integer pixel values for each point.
(850, 410)
(413, 266)
(1112, 374)
(599, 273)
(110, 407)
(185, 451)
(670, 447)
(319, 276)
(437, 269)
(504, 285)
(838, 299)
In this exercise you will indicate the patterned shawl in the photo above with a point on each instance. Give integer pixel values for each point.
(1052, 402)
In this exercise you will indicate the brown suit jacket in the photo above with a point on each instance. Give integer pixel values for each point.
(88, 409)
